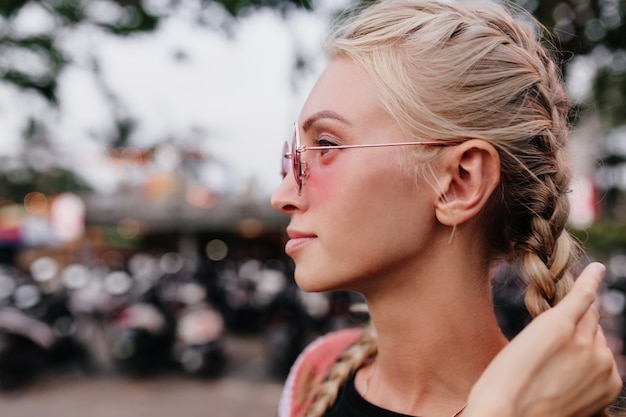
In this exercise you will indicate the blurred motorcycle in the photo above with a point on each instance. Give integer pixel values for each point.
(141, 335)
(37, 330)
(200, 329)
(199, 347)
(285, 322)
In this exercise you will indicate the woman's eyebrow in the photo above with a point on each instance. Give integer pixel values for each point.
(324, 114)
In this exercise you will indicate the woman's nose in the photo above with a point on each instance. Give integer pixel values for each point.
(285, 197)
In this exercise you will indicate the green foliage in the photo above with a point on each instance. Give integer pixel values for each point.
(237, 7)
(586, 27)
(138, 20)
(42, 46)
(15, 185)
(28, 171)
(579, 26)
(610, 94)
(45, 86)
(602, 239)
(71, 12)
(8, 8)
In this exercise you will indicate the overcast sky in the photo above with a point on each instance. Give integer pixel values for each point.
(233, 98)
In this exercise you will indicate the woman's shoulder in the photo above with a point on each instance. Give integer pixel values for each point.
(310, 369)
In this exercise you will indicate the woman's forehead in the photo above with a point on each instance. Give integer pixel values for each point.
(345, 91)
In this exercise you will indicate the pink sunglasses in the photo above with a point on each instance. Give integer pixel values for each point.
(292, 153)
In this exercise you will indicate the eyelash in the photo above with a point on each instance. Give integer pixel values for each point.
(326, 143)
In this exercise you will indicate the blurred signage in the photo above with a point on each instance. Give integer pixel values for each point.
(67, 216)
(613, 176)
(583, 202)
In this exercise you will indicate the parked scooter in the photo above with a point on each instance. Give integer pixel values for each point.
(141, 335)
(24, 344)
(36, 330)
(285, 322)
(200, 329)
(199, 347)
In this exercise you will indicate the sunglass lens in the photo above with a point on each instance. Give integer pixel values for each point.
(295, 156)
(286, 164)
(290, 152)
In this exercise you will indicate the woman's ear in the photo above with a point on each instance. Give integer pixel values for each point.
(469, 175)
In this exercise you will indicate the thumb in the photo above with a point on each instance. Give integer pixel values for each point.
(583, 293)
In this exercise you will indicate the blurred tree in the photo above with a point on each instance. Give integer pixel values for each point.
(32, 61)
(36, 168)
(133, 16)
(580, 27)
(591, 27)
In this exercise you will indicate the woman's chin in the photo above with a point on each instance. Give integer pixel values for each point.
(310, 283)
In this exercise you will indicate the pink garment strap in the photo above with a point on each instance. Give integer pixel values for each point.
(310, 370)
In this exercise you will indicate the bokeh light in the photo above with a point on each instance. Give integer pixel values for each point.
(201, 197)
(36, 203)
(129, 228)
(216, 250)
(250, 228)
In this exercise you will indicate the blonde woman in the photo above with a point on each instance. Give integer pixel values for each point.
(431, 149)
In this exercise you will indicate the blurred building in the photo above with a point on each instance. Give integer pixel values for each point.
(110, 228)
(250, 227)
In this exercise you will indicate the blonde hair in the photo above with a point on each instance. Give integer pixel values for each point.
(473, 69)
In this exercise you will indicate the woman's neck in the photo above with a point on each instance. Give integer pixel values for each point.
(436, 334)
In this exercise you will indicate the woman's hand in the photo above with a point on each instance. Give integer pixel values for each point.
(558, 366)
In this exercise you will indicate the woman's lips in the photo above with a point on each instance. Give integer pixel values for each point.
(297, 239)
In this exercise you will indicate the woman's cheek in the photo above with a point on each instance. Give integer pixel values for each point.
(325, 182)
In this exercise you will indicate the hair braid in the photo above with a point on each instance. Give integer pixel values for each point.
(546, 249)
(353, 357)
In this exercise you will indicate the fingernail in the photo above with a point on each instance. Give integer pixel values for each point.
(600, 268)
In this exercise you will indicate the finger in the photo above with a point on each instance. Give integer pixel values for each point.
(600, 338)
(588, 325)
(616, 384)
(613, 383)
(583, 293)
